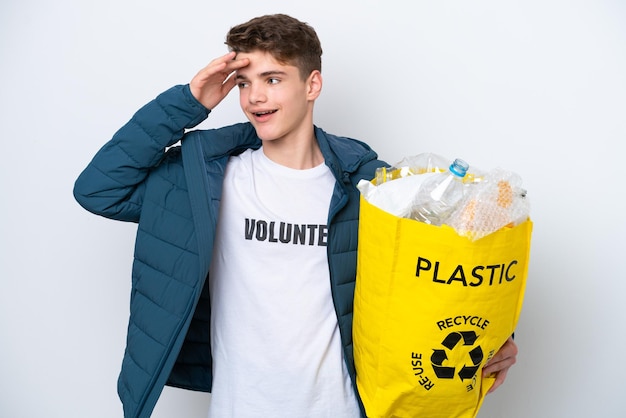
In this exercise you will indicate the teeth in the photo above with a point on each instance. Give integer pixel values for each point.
(264, 113)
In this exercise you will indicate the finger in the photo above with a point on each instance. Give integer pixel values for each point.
(236, 64)
(219, 72)
(500, 378)
(508, 349)
(216, 66)
(497, 366)
(230, 80)
(231, 62)
(224, 59)
(229, 84)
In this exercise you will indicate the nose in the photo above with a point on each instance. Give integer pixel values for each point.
(256, 93)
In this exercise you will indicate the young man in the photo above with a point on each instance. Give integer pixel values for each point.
(245, 256)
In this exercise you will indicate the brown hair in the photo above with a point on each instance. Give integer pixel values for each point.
(288, 40)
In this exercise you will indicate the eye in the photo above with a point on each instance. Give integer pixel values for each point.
(273, 81)
(243, 84)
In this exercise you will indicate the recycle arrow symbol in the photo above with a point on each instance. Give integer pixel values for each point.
(467, 372)
(437, 359)
(451, 341)
(468, 337)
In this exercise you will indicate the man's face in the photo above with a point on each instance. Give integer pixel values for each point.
(274, 98)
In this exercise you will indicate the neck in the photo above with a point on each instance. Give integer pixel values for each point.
(300, 155)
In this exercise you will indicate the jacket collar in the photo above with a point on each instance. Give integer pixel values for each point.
(342, 155)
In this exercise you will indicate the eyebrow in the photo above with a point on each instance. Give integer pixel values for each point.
(261, 75)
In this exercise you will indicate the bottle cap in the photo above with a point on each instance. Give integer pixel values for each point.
(459, 167)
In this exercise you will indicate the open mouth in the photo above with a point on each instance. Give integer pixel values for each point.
(265, 113)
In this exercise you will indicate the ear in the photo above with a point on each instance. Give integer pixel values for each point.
(314, 85)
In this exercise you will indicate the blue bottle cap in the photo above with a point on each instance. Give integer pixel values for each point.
(459, 167)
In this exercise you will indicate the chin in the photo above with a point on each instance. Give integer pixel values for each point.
(265, 134)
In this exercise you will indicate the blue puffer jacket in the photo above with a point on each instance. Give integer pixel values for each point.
(174, 197)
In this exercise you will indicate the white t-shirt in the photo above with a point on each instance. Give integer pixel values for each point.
(274, 335)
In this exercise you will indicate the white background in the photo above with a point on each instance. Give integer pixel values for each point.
(537, 87)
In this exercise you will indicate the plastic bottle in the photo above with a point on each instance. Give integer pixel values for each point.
(438, 195)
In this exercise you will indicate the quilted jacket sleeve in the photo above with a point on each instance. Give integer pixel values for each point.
(112, 184)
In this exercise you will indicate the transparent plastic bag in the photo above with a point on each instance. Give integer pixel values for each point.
(394, 188)
(497, 201)
(492, 200)
(409, 166)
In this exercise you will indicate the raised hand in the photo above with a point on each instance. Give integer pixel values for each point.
(215, 81)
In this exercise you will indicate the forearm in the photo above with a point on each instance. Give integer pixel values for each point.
(112, 183)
